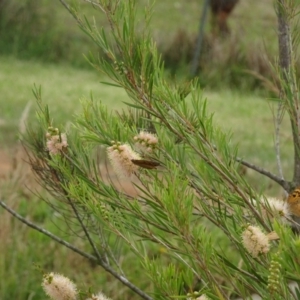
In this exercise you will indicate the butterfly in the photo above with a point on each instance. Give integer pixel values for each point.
(146, 164)
(294, 202)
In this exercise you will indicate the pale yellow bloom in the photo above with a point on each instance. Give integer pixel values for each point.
(99, 296)
(255, 241)
(145, 141)
(56, 143)
(203, 297)
(59, 287)
(280, 207)
(121, 157)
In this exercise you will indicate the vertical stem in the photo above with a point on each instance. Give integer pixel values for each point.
(200, 39)
(283, 39)
(277, 139)
(289, 85)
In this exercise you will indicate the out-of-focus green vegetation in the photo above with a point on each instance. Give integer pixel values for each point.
(44, 30)
(248, 115)
(62, 88)
(41, 44)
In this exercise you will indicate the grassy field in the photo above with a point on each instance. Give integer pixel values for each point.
(174, 27)
(249, 116)
(62, 88)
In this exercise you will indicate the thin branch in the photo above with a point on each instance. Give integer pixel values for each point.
(97, 4)
(47, 233)
(107, 268)
(85, 230)
(195, 63)
(284, 39)
(277, 122)
(109, 254)
(78, 217)
(287, 185)
(289, 82)
(68, 8)
(277, 139)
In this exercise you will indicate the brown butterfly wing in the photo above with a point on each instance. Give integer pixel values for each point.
(146, 164)
(294, 202)
(294, 196)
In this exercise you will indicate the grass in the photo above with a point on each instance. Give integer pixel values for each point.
(37, 31)
(248, 116)
(250, 119)
(62, 88)
(28, 254)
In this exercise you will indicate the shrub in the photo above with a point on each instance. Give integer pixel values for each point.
(222, 238)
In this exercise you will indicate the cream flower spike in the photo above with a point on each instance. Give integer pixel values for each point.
(59, 287)
(255, 241)
(202, 297)
(121, 156)
(55, 142)
(279, 207)
(145, 142)
(99, 296)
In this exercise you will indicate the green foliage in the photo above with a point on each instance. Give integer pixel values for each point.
(43, 30)
(233, 110)
(193, 204)
(64, 95)
(33, 29)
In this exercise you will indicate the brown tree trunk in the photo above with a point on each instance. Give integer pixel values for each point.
(289, 93)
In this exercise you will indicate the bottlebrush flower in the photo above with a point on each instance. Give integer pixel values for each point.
(145, 142)
(275, 272)
(255, 241)
(55, 141)
(203, 297)
(281, 208)
(59, 287)
(99, 296)
(120, 156)
(278, 207)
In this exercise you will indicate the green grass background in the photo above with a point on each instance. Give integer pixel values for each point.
(248, 116)
(54, 60)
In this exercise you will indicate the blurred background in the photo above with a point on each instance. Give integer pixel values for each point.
(238, 36)
(41, 44)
